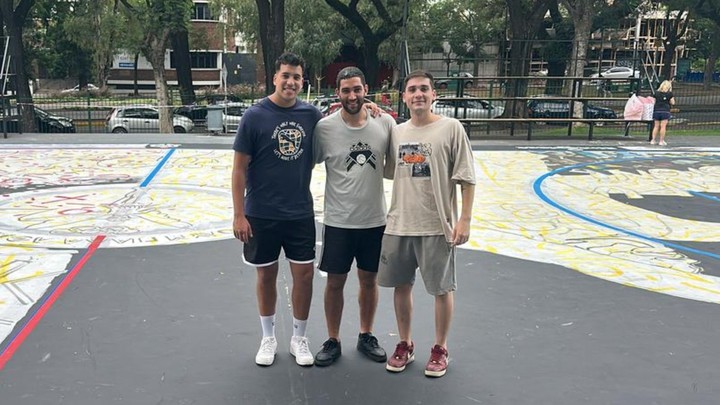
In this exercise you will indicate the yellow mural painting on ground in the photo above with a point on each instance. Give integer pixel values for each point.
(61, 199)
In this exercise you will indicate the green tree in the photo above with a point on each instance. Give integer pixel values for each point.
(557, 49)
(375, 24)
(710, 10)
(50, 46)
(675, 26)
(95, 26)
(315, 35)
(582, 13)
(525, 17)
(159, 19)
(466, 26)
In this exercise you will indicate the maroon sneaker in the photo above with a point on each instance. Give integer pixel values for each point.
(404, 355)
(437, 365)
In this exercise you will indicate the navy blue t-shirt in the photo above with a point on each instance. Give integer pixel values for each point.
(662, 101)
(279, 142)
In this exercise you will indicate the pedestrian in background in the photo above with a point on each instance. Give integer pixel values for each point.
(664, 101)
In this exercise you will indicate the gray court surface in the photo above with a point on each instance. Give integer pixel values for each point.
(178, 324)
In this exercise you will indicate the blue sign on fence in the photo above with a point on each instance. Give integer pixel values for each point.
(127, 64)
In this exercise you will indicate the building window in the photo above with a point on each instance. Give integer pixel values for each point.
(201, 11)
(198, 60)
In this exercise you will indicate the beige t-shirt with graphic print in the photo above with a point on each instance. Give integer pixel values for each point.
(428, 164)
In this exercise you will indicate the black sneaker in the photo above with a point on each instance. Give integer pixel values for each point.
(330, 352)
(368, 345)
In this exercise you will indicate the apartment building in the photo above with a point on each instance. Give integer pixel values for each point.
(213, 49)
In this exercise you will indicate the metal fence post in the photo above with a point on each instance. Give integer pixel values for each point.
(89, 115)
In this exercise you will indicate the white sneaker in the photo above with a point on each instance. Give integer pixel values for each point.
(300, 348)
(662, 143)
(653, 142)
(266, 354)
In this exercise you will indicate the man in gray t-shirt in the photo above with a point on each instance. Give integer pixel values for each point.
(352, 144)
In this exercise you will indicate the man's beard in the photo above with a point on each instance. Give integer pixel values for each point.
(349, 108)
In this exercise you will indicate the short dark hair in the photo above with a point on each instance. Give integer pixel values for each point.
(289, 58)
(419, 74)
(348, 73)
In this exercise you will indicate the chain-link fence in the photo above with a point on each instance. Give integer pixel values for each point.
(500, 94)
(504, 92)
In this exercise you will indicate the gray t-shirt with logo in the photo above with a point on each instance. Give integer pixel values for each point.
(354, 160)
(427, 163)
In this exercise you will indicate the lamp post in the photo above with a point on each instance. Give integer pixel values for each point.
(404, 61)
(446, 56)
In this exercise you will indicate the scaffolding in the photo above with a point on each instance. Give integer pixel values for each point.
(4, 76)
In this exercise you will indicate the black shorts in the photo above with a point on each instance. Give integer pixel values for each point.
(296, 238)
(661, 115)
(342, 245)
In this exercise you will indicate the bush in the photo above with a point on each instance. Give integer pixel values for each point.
(241, 91)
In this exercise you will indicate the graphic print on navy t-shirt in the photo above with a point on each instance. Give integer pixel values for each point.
(417, 156)
(360, 154)
(289, 136)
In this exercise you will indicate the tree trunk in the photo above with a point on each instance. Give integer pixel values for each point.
(272, 36)
(674, 29)
(163, 98)
(710, 63)
(524, 24)
(582, 20)
(519, 66)
(371, 61)
(155, 54)
(103, 60)
(14, 19)
(181, 51)
(669, 45)
(136, 92)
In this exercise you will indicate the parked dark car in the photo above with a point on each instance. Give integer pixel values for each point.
(548, 108)
(45, 121)
(197, 113)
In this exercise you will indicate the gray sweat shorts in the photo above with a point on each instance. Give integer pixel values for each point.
(401, 256)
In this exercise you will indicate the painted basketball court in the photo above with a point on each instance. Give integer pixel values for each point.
(591, 275)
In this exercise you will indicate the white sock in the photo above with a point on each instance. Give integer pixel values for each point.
(268, 325)
(299, 327)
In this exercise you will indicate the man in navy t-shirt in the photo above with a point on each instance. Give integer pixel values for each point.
(272, 204)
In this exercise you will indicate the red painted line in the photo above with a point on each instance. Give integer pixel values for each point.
(45, 307)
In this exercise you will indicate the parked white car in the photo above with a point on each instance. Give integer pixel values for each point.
(617, 72)
(466, 108)
(142, 119)
(465, 78)
(323, 103)
(90, 87)
(232, 113)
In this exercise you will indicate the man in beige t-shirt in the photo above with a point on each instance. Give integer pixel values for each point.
(429, 156)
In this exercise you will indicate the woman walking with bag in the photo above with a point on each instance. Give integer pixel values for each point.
(661, 115)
